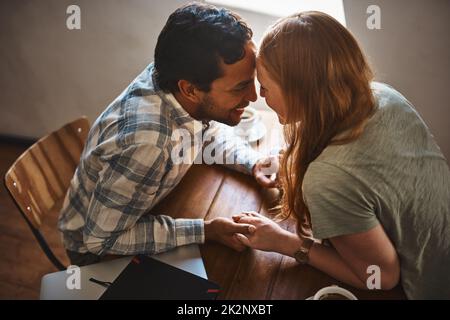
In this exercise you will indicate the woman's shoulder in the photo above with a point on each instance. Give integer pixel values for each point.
(387, 97)
(383, 88)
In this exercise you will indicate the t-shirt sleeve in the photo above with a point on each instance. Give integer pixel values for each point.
(339, 204)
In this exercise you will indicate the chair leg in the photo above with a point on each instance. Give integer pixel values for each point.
(44, 245)
(48, 252)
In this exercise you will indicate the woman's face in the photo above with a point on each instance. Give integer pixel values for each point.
(271, 92)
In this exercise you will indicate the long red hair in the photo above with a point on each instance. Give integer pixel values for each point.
(325, 80)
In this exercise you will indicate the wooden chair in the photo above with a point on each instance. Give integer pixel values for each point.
(39, 178)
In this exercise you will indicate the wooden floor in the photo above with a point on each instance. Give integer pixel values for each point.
(22, 262)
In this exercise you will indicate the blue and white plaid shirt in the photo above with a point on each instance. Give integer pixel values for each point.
(129, 164)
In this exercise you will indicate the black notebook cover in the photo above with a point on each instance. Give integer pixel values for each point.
(147, 278)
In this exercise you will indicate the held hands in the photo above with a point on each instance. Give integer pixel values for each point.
(223, 230)
(267, 235)
(250, 229)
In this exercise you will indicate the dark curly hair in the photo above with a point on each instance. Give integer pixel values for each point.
(191, 44)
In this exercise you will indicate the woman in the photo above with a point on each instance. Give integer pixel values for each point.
(361, 167)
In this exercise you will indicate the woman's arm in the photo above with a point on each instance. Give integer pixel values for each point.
(346, 262)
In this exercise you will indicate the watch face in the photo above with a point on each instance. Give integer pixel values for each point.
(301, 256)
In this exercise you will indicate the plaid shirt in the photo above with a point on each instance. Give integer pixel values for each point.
(128, 166)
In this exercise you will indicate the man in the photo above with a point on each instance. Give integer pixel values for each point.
(204, 70)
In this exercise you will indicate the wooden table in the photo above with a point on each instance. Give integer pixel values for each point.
(215, 191)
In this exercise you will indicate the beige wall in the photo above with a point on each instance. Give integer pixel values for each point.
(412, 53)
(50, 75)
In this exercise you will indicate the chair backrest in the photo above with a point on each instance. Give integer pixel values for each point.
(40, 177)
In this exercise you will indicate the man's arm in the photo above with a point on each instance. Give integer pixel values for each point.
(117, 222)
(222, 146)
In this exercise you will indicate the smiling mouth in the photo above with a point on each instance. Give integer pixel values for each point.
(240, 109)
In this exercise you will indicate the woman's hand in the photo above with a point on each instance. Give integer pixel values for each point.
(223, 230)
(265, 171)
(267, 235)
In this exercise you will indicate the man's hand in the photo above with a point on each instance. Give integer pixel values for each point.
(223, 230)
(267, 236)
(265, 171)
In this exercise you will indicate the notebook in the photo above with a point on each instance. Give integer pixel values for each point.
(148, 278)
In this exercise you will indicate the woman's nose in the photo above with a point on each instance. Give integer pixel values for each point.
(261, 92)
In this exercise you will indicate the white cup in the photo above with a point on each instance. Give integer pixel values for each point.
(334, 293)
(248, 119)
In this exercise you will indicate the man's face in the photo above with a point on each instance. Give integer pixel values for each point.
(231, 93)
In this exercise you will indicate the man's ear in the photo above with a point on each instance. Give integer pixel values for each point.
(189, 91)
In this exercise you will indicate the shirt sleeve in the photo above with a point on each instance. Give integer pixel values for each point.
(117, 222)
(339, 204)
(223, 146)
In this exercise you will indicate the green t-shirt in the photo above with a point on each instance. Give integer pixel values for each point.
(395, 175)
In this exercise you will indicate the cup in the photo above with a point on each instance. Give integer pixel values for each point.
(248, 119)
(334, 293)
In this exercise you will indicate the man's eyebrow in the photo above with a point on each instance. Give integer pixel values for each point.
(243, 83)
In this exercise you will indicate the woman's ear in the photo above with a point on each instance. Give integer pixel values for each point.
(189, 91)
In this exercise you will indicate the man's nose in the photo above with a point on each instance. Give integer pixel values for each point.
(251, 93)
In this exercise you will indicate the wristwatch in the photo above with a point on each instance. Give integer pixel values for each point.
(302, 255)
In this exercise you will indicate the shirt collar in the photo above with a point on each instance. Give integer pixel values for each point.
(178, 113)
